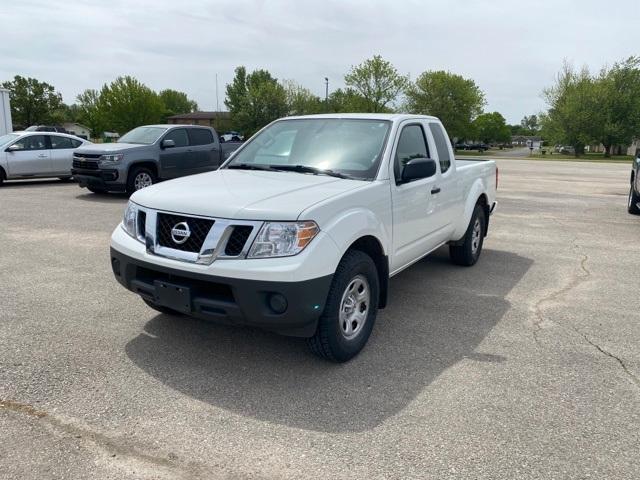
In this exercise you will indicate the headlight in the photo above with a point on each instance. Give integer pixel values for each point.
(130, 219)
(282, 239)
(116, 158)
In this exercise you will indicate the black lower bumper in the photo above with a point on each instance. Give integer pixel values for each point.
(102, 179)
(288, 308)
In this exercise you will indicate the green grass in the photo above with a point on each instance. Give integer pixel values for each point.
(587, 157)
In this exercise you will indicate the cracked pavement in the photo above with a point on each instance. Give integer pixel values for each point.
(525, 366)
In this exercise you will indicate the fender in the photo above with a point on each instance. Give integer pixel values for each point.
(356, 223)
(477, 189)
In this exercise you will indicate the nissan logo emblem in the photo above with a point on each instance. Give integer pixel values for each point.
(180, 233)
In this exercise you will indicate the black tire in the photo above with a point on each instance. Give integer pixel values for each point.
(96, 190)
(467, 252)
(64, 179)
(134, 173)
(161, 309)
(2, 176)
(632, 204)
(330, 340)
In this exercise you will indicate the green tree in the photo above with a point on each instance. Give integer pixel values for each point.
(378, 82)
(32, 102)
(619, 102)
(255, 100)
(301, 101)
(89, 112)
(455, 100)
(530, 124)
(574, 117)
(126, 103)
(347, 100)
(492, 128)
(176, 102)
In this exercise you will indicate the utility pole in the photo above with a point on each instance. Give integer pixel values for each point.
(217, 102)
(326, 93)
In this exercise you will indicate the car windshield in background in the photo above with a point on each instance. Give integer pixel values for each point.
(351, 147)
(142, 135)
(4, 139)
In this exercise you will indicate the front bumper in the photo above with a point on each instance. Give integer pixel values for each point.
(227, 300)
(106, 179)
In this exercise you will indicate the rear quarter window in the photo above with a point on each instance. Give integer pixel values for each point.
(200, 136)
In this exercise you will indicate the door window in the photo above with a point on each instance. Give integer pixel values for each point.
(32, 142)
(200, 136)
(442, 146)
(60, 143)
(412, 144)
(179, 136)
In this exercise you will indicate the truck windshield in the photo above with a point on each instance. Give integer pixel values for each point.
(142, 135)
(351, 147)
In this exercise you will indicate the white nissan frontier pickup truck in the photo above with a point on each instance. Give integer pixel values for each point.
(300, 229)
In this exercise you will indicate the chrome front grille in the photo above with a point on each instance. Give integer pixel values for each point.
(209, 238)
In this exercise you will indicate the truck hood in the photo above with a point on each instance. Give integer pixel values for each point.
(108, 147)
(244, 194)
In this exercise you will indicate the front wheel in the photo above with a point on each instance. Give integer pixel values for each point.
(467, 251)
(351, 309)
(634, 200)
(139, 178)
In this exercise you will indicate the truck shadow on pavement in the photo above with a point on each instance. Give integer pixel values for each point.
(438, 315)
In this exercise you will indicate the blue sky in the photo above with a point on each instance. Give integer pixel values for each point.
(512, 49)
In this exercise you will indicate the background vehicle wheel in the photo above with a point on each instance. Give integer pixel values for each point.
(2, 177)
(96, 190)
(634, 199)
(139, 178)
(468, 252)
(350, 312)
(158, 308)
(64, 179)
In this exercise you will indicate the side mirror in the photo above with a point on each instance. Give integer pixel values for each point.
(418, 168)
(168, 143)
(13, 148)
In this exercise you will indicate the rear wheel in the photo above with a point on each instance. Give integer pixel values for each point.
(634, 199)
(139, 178)
(350, 312)
(468, 251)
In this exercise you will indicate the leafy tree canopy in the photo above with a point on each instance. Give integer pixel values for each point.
(455, 100)
(32, 102)
(378, 83)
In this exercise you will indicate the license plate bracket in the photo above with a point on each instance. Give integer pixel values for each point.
(173, 296)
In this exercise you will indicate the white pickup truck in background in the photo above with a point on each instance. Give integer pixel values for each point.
(300, 230)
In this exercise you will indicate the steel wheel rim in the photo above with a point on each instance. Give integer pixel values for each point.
(475, 236)
(142, 180)
(354, 307)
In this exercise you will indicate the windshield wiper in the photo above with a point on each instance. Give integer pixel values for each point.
(307, 169)
(251, 166)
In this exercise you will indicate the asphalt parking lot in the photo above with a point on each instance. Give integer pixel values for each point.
(524, 366)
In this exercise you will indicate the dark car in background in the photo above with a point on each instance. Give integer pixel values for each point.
(148, 154)
(480, 147)
(633, 205)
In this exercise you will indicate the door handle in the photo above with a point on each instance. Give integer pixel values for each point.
(435, 190)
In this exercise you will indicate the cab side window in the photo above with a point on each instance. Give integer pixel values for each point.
(412, 144)
(442, 146)
(32, 142)
(59, 143)
(201, 136)
(179, 137)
